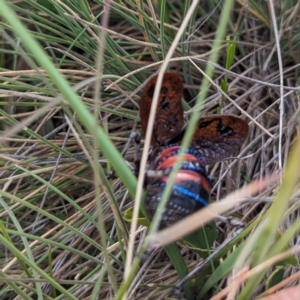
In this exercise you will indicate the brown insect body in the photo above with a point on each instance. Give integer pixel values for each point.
(215, 138)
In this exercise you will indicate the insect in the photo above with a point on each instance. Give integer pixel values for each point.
(215, 138)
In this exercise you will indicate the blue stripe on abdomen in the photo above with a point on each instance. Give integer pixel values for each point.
(183, 191)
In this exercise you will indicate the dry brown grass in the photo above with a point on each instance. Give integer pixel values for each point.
(62, 154)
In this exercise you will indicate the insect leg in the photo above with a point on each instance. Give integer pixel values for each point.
(136, 137)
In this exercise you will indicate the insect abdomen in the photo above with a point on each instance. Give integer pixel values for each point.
(190, 191)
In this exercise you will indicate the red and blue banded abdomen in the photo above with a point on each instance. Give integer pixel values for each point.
(190, 191)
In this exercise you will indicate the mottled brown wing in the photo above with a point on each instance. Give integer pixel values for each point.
(217, 137)
(169, 113)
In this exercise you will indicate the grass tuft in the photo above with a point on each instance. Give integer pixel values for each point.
(71, 76)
